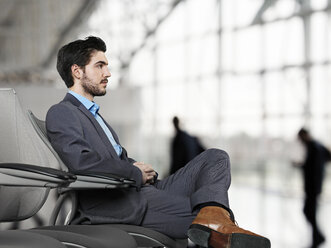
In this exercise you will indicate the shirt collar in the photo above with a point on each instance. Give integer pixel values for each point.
(91, 106)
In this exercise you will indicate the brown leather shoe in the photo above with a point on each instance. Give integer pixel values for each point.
(213, 227)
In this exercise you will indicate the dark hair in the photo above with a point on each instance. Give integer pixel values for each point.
(175, 121)
(303, 131)
(77, 52)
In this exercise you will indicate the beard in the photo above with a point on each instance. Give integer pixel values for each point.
(92, 88)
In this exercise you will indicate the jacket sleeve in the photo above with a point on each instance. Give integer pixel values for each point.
(66, 134)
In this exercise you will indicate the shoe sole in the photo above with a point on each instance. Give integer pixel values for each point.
(206, 237)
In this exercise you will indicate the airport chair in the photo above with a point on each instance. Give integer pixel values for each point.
(16, 181)
(25, 181)
(144, 237)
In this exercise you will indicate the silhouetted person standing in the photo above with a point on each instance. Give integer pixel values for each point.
(184, 147)
(313, 171)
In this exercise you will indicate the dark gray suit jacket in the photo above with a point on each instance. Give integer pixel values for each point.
(82, 145)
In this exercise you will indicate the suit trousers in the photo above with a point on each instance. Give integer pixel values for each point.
(172, 201)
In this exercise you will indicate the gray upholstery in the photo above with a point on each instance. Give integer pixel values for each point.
(18, 144)
(9, 204)
(19, 203)
(98, 236)
(23, 239)
(144, 237)
(147, 237)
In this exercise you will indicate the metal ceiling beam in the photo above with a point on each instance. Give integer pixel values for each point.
(148, 34)
(264, 7)
(85, 9)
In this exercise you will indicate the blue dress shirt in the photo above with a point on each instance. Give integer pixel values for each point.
(94, 108)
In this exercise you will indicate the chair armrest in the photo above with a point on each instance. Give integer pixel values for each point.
(86, 180)
(17, 174)
(98, 180)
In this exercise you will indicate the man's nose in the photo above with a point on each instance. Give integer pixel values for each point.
(107, 73)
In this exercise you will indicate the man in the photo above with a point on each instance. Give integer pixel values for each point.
(184, 147)
(192, 201)
(313, 171)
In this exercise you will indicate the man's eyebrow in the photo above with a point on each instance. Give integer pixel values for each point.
(101, 62)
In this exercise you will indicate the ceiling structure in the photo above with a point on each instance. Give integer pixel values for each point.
(31, 31)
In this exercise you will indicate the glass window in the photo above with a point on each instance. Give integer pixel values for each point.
(294, 91)
(227, 51)
(173, 29)
(202, 16)
(204, 104)
(234, 126)
(242, 95)
(247, 51)
(280, 9)
(169, 100)
(202, 56)
(142, 68)
(318, 4)
(320, 91)
(273, 83)
(285, 92)
(228, 14)
(293, 42)
(284, 44)
(242, 108)
(263, 84)
(273, 42)
(319, 37)
(171, 62)
(285, 127)
(321, 129)
(201, 98)
(245, 11)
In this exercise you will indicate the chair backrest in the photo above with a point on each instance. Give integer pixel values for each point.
(60, 213)
(20, 144)
(40, 128)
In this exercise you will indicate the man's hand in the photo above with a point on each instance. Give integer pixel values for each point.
(147, 171)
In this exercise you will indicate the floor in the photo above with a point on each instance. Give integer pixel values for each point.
(271, 204)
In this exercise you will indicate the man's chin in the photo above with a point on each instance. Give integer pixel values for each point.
(100, 92)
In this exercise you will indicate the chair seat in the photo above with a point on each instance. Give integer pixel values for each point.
(148, 237)
(102, 236)
(24, 239)
(143, 237)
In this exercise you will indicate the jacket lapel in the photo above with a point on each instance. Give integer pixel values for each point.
(96, 125)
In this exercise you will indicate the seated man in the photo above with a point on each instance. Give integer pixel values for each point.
(192, 202)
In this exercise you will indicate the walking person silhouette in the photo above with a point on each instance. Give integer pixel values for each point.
(313, 174)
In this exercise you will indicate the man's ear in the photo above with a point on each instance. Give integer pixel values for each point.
(76, 71)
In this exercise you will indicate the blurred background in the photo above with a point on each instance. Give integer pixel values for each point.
(243, 76)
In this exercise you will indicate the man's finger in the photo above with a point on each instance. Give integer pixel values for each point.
(152, 174)
(148, 170)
